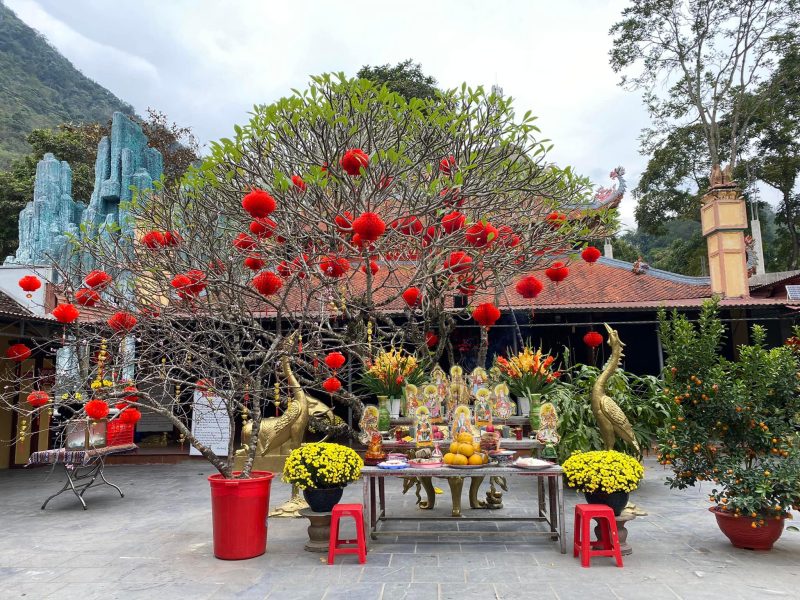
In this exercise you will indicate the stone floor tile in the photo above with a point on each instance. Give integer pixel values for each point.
(387, 574)
(443, 575)
(471, 591)
(355, 591)
(410, 591)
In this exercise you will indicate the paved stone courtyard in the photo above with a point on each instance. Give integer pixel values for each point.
(156, 543)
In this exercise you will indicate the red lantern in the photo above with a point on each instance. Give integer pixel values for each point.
(431, 339)
(299, 264)
(331, 385)
(30, 283)
(430, 235)
(486, 314)
(344, 221)
(353, 160)
(131, 393)
(593, 339)
(335, 360)
(172, 238)
(153, 240)
(373, 267)
(258, 204)
(557, 272)
(263, 228)
(86, 297)
(507, 237)
(122, 321)
(481, 234)
(529, 287)
(451, 197)
(408, 225)
(130, 416)
(18, 352)
(332, 266)
(96, 409)
(413, 297)
(244, 242)
(65, 313)
(590, 254)
(267, 283)
(254, 263)
(38, 399)
(446, 164)
(453, 221)
(97, 280)
(298, 182)
(284, 269)
(369, 226)
(458, 262)
(556, 219)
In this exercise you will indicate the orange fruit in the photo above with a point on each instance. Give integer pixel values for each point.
(449, 458)
(459, 459)
(464, 438)
(475, 459)
(466, 450)
(454, 447)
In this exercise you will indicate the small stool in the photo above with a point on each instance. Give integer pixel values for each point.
(335, 545)
(608, 543)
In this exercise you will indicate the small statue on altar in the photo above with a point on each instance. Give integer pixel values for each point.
(548, 424)
(368, 424)
(423, 430)
(432, 401)
(483, 407)
(459, 391)
(478, 379)
(461, 421)
(502, 405)
(412, 398)
(375, 453)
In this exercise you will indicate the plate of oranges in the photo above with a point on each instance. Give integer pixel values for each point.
(465, 453)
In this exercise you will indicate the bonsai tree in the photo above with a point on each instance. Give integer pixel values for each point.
(339, 220)
(736, 423)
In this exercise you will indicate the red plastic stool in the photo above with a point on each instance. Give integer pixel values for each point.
(607, 545)
(335, 545)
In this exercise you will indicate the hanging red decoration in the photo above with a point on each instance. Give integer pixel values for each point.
(593, 339)
(130, 416)
(529, 287)
(97, 280)
(430, 235)
(481, 234)
(172, 238)
(333, 266)
(556, 219)
(244, 242)
(258, 204)
(298, 182)
(507, 237)
(453, 221)
(284, 269)
(353, 160)
(86, 297)
(413, 297)
(131, 393)
(38, 398)
(18, 352)
(344, 221)
(369, 226)
(452, 197)
(263, 228)
(300, 264)
(446, 164)
(254, 263)
(590, 254)
(458, 262)
(153, 240)
(30, 283)
(96, 409)
(197, 281)
(408, 225)
(486, 314)
(65, 313)
(335, 360)
(267, 283)
(373, 267)
(217, 266)
(466, 286)
(384, 182)
(557, 272)
(331, 385)
(431, 339)
(122, 321)
(362, 244)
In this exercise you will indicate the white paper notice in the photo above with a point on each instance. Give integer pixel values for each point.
(210, 423)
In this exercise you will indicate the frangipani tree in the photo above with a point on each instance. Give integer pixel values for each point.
(342, 218)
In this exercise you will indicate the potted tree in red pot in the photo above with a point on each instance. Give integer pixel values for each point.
(736, 427)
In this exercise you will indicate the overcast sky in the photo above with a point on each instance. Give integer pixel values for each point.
(206, 62)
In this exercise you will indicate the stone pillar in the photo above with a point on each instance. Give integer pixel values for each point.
(724, 219)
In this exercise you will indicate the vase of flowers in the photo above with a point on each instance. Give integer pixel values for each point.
(604, 476)
(390, 372)
(529, 375)
(384, 417)
(322, 470)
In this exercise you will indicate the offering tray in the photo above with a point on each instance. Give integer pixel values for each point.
(491, 463)
(393, 464)
(425, 464)
(532, 463)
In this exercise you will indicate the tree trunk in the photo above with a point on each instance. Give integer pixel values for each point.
(484, 347)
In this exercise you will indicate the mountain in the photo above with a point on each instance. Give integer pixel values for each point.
(41, 88)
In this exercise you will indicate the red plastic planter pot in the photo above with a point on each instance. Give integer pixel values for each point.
(742, 534)
(239, 510)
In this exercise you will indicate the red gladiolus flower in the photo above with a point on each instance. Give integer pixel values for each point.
(65, 313)
(557, 273)
(331, 385)
(122, 321)
(486, 314)
(38, 398)
(86, 297)
(332, 266)
(298, 182)
(30, 283)
(258, 204)
(96, 409)
(130, 416)
(335, 360)
(453, 221)
(529, 287)
(399, 380)
(590, 254)
(18, 352)
(353, 160)
(413, 297)
(172, 238)
(267, 283)
(373, 267)
(369, 226)
(481, 234)
(458, 262)
(431, 339)
(97, 280)
(153, 240)
(244, 242)
(446, 164)
(263, 228)
(254, 263)
(593, 339)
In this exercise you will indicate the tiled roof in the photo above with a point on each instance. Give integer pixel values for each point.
(767, 279)
(9, 306)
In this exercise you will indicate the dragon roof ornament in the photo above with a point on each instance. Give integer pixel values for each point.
(610, 197)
